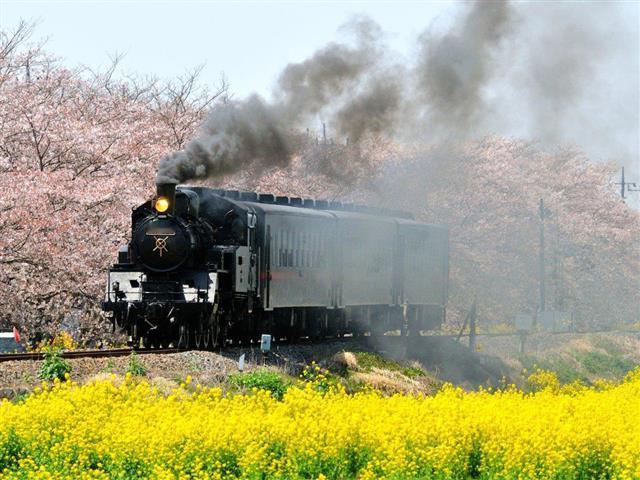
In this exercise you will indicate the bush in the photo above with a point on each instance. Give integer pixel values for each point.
(54, 366)
(413, 372)
(135, 366)
(262, 380)
(604, 365)
(368, 360)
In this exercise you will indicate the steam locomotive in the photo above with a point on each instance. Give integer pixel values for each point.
(206, 267)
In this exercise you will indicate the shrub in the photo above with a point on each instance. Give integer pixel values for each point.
(262, 380)
(135, 366)
(54, 366)
(368, 361)
(413, 372)
(602, 364)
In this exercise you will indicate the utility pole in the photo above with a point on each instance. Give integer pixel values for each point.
(542, 286)
(626, 186)
(473, 314)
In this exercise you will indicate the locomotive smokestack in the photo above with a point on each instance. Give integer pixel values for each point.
(165, 200)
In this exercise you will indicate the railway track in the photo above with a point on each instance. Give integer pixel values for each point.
(378, 341)
(121, 352)
(115, 352)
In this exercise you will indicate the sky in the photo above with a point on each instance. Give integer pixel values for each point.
(250, 42)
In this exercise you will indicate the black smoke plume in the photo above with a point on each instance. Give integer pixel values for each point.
(541, 71)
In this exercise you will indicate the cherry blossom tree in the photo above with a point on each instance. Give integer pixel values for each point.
(79, 149)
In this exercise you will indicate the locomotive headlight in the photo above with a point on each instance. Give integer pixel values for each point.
(162, 204)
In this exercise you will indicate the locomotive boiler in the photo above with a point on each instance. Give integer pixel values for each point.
(206, 267)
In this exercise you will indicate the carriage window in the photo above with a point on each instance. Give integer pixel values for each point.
(309, 250)
(287, 250)
(300, 249)
(321, 248)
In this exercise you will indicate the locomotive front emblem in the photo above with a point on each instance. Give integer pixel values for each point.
(161, 242)
(161, 245)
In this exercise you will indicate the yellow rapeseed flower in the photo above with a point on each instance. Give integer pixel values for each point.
(110, 429)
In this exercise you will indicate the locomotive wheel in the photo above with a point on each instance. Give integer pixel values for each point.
(207, 338)
(201, 335)
(218, 334)
(152, 340)
(183, 337)
(193, 335)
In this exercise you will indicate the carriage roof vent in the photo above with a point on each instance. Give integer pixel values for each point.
(235, 194)
(282, 200)
(266, 198)
(249, 196)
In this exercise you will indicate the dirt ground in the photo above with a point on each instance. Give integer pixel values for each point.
(496, 361)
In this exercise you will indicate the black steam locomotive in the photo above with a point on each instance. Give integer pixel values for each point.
(207, 266)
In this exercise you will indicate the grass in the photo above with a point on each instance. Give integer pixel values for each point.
(135, 366)
(54, 366)
(606, 344)
(604, 365)
(368, 361)
(565, 370)
(21, 397)
(109, 367)
(607, 362)
(260, 379)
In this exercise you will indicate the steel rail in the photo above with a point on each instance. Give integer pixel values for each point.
(114, 352)
(121, 352)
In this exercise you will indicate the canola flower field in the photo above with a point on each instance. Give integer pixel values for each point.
(128, 429)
